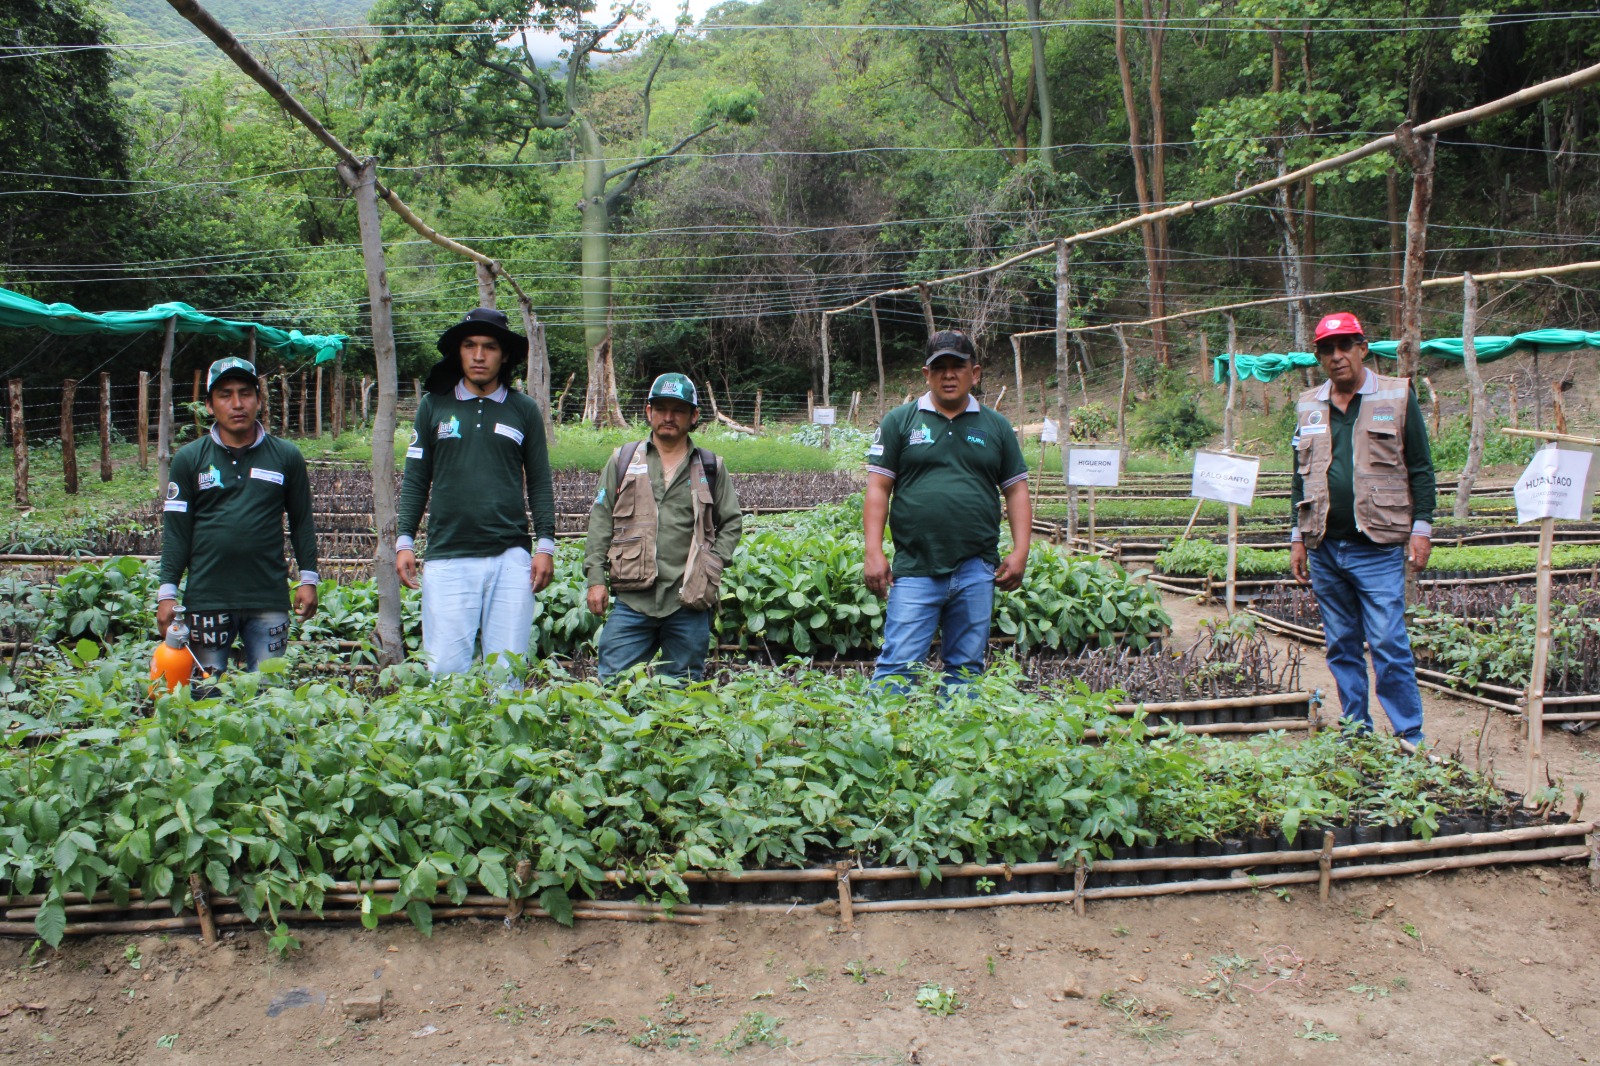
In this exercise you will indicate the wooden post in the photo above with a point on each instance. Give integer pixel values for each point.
(538, 363)
(1022, 394)
(141, 432)
(164, 412)
(1538, 393)
(19, 446)
(199, 386)
(416, 388)
(69, 437)
(318, 420)
(106, 472)
(877, 345)
(1433, 402)
(485, 284)
(1478, 413)
(846, 906)
(1541, 659)
(283, 386)
(561, 404)
(1512, 384)
(811, 407)
(387, 635)
(1080, 880)
(202, 907)
(1091, 524)
(1233, 559)
(1325, 866)
(303, 391)
(827, 367)
(758, 411)
(927, 306)
(1229, 435)
(1205, 359)
(1418, 152)
(1064, 377)
(1122, 397)
(264, 383)
(366, 410)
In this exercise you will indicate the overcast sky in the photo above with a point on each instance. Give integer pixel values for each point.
(663, 11)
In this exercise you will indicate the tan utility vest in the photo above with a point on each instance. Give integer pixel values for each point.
(632, 558)
(1378, 467)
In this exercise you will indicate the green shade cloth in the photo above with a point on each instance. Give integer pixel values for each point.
(24, 312)
(1273, 364)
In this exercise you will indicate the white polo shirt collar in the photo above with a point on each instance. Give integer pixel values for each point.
(925, 403)
(466, 395)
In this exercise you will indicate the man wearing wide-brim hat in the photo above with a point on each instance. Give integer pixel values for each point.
(475, 445)
(1362, 499)
(222, 526)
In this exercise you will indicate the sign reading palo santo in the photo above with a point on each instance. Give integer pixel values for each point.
(1560, 482)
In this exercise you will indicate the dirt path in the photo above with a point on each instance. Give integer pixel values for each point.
(1473, 967)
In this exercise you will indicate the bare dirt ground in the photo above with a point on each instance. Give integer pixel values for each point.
(1479, 967)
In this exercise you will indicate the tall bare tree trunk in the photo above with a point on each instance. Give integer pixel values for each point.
(1122, 396)
(538, 364)
(877, 347)
(164, 415)
(1041, 87)
(1064, 375)
(385, 513)
(1396, 249)
(1141, 184)
(1156, 35)
(485, 285)
(1479, 414)
(1418, 151)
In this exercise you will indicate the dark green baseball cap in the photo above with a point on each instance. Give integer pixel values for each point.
(231, 367)
(675, 387)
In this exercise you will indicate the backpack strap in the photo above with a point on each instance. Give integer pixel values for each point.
(623, 458)
(713, 468)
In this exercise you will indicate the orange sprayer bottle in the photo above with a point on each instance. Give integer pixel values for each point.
(173, 661)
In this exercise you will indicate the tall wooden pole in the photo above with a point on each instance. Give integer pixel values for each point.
(1122, 396)
(1418, 151)
(164, 411)
(538, 364)
(19, 446)
(1541, 657)
(105, 426)
(1229, 435)
(387, 637)
(1022, 398)
(1064, 378)
(827, 368)
(925, 295)
(486, 295)
(319, 402)
(69, 437)
(877, 347)
(1479, 414)
(141, 432)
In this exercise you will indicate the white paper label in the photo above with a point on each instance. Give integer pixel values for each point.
(1555, 485)
(175, 505)
(508, 431)
(822, 416)
(1226, 478)
(1050, 433)
(413, 453)
(266, 475)
(1096, 467)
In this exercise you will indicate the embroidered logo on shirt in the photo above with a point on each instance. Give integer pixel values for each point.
(266, 475)
(450, 430)
(920, 435)
(413, 450)
(876, 448)
(508, 431)
(1383, 418)
(600, 497)
(973, 438)
(1313, 418)
(172, 490)
(210, 479)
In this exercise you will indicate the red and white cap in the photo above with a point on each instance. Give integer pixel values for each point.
(1338, 325)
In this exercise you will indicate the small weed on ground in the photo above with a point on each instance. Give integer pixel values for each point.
(1140, 1021)
(754, 1028)
(1315, 1031)
(938, 1001)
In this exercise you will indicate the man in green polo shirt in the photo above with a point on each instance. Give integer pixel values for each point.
(664, 523)
(222, 523)
(945, 460)
(477, 453)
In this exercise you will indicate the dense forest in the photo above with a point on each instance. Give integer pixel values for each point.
(702, 195)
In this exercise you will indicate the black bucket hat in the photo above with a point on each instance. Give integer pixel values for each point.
(480, 321)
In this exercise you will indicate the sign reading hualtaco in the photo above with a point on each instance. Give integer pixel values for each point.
(1227, 478)
(1555, 485)
(1094, 467)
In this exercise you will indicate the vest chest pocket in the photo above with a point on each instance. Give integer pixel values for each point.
(1302, 455)
(1383, 447)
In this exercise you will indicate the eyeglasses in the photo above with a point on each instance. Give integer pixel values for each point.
(1344, 344)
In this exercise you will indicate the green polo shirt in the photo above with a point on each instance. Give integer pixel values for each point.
(222, 522)
(674, 529)
(468, 462)
(1341, 471)
(948, 476)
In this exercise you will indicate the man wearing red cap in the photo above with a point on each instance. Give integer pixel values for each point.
(1363, 500)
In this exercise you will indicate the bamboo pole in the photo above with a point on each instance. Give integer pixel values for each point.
(106, 472)
(164, 412)
(141, 431)
(69, 437)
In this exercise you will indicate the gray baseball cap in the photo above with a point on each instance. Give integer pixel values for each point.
(950, 342)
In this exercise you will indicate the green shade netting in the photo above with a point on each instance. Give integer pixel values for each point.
(24, 312)
(1273, 364)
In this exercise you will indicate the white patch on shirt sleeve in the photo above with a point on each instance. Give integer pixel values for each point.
(175, 505)
(413, 453)
(266, 475)
(508, 431)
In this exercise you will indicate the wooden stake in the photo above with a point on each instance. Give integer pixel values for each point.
(366, 412)
(1091, 527)
(877, 346)
(811, 407)
(1080, 878)
(69, 438)
(1022, 394)
(1233, 558)
(1122, 396)
(1433, 402)
(164, 412)
(106, 472)
(199, 386)
(1513, 386)
(303, 391)
(1541, 659)
(1417, 150)
(1325, 866)
(758, 410)
(19, 446)
(1478, 414)
(927, 307)
(827, 363)
(202, 909)
(318, 421)
(561, 404)
(283, 387)
(846, 908)
(141, 432)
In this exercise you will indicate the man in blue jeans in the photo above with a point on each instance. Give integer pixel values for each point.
(1363, 499)
(945, 460)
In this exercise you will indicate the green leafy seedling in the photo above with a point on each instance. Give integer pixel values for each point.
(133, 957)
(1314, 1030)
(938, 1001)
(281, 943)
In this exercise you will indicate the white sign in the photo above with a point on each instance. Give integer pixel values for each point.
(1049, 434)
(1095, 467)
(1555, 485)
(1227, 478)
(822, 416)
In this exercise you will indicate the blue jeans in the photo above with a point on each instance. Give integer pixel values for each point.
(261, 635)
(476, 602)
(630, 638)
(959, 605)
(1361, 594)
